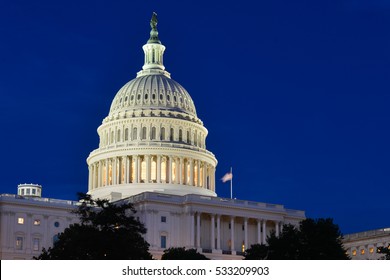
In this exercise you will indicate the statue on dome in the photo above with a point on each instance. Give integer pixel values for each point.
(153, 21)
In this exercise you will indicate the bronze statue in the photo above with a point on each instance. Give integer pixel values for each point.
(153, 21)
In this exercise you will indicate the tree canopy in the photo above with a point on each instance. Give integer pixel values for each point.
(180, 253)
(106, 231)
(318, 239)
(384, 250)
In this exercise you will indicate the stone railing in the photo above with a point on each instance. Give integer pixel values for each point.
(39, 199)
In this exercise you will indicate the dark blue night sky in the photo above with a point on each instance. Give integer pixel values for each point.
(295, 94)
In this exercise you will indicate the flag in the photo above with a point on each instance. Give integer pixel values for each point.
(227, 177)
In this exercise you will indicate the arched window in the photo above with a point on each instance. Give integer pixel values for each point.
(171, 136)
(118, 136)
(134, 133)
(112, 137)
(195, 139)
(162, 133)
(180, 135)
(144, 133)
(126, 134)
(188, 137)
(153, 133)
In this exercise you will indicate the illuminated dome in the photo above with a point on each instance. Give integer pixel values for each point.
(152, 139)
(152, 92)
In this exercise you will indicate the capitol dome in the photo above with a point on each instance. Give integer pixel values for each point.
(152, 92)
(152, 139)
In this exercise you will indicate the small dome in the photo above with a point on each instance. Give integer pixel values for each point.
(152, 92)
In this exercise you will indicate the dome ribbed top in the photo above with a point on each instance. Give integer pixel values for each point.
(151, 92)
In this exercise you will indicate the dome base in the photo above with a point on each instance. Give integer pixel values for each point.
(117, 192)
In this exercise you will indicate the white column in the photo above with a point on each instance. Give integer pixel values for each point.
(138, 169)
(99, 179)
(107, 171)
(277, 230)
(198, 230)
(246, 233)
(259, 231)
(158, 169)
(212, 231)
(192, 229)
(219, 232)
(170, 170)
(90, 169)
(181, 171)
(93, 176)
(232, 233)
(125, 162)
(264, 231)
(204, 175)
(148, 169)
(113, 172)
(177, 162)
(198, 173)
(191, 172)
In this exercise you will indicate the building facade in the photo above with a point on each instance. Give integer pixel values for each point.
(152, 153)
(364, 245)
(29, 222)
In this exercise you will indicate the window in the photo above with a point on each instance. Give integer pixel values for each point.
(55, 239)
(36, 244)
(163, 219)
(134, 133)
(371, 250)
(180, 135)
(171, 135)
(20, 221)
(57, 224)
(153, 133)
(144, 133)
(37, 222)
(33, 191)
(126, 134)
(362, 251)
(353, 252)
(27, 191)
(19, 243)
(163, 241)
(162, 133)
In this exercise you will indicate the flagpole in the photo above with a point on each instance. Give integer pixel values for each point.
(231, 183)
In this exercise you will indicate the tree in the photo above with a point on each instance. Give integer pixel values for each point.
(180, 253)
(256, 252)
(106, 231)
(384, 250)
(318, 239)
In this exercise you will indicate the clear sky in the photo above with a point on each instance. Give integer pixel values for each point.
(295, 94)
